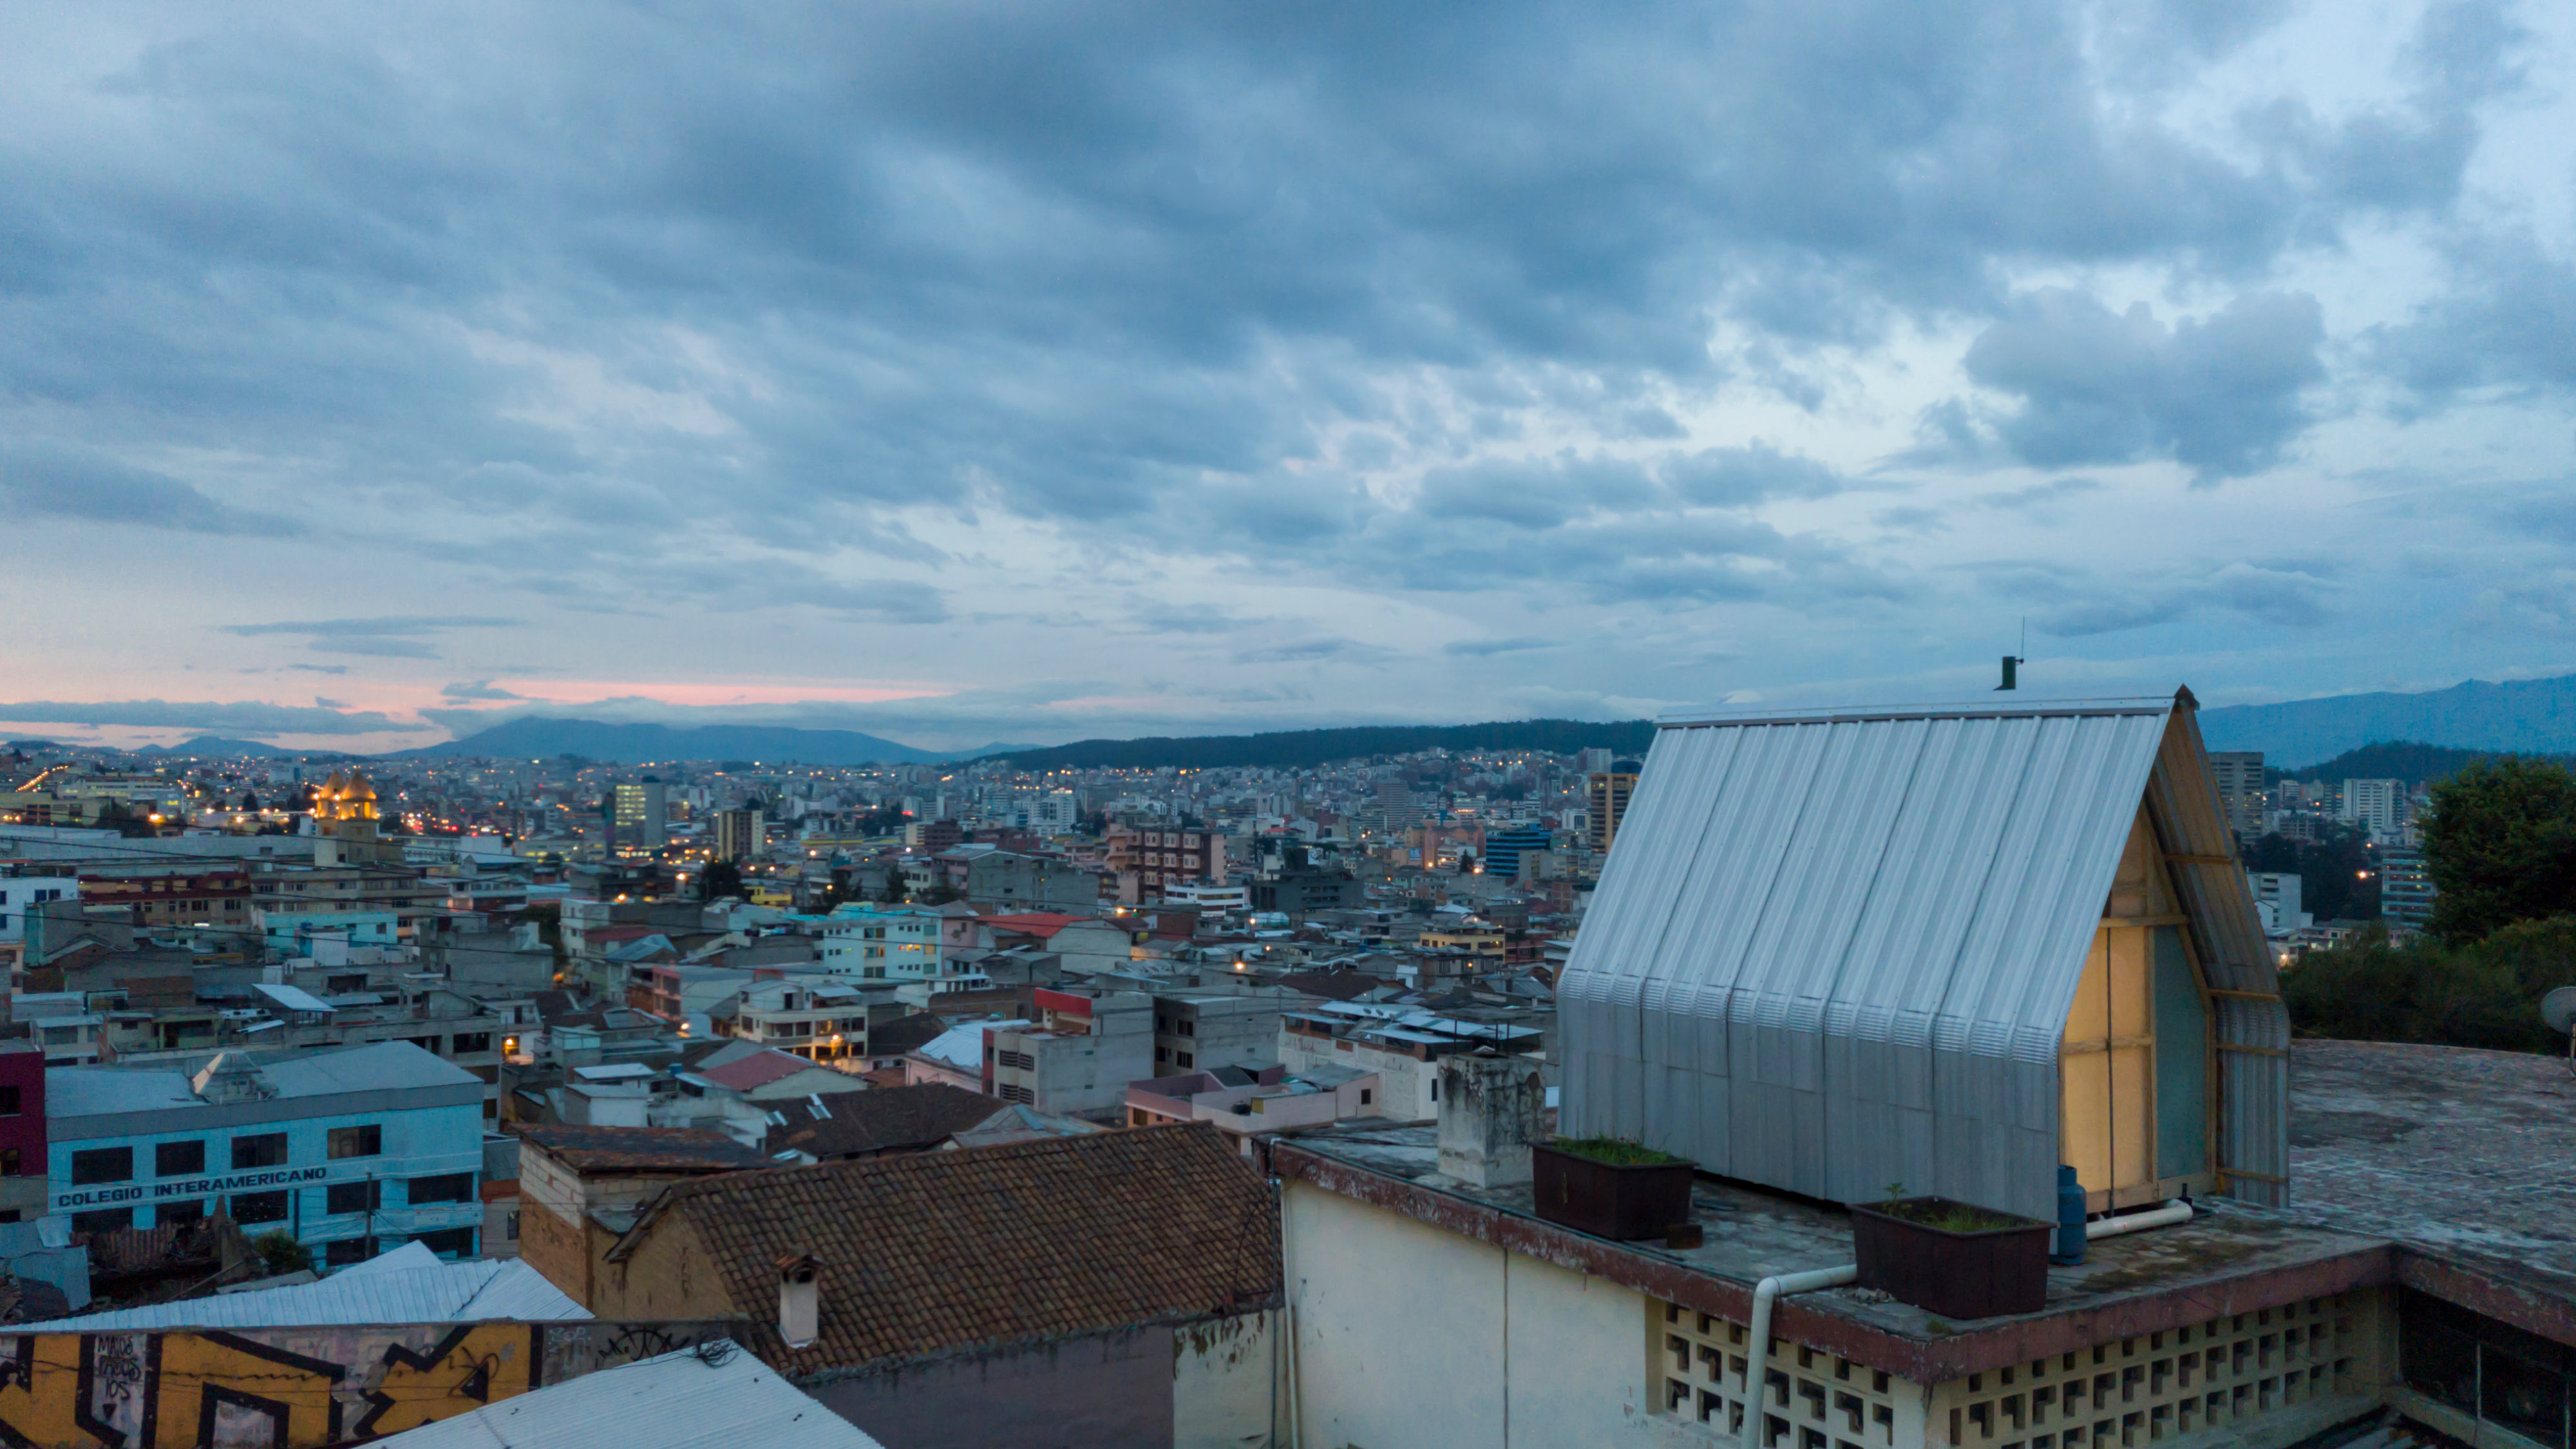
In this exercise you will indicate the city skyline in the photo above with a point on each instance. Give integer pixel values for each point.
(968, 376)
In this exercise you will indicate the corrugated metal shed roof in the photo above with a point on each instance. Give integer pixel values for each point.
(1835, 949)
(407, 1285)
(716, 1398)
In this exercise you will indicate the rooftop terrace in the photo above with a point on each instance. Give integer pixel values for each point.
(2467, 1156)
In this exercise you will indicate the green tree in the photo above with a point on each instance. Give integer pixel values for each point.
(892, 895)
(721, 878)
(2501, 846)
(938, 893)
(281, 1253)
(2480, 995)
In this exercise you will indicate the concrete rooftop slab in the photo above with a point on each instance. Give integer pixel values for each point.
(2469, 1156)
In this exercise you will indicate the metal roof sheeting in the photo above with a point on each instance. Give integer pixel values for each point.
(719, 1397)
(407, 1285)
(1836, 950)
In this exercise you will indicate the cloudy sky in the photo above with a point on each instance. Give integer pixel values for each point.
(1029, 372)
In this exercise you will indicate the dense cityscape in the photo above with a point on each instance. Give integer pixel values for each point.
(1702, 724)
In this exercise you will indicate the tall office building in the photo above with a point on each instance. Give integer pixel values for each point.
(2378, 806)
(2405, 889)
(2239, 774)
(1609, 802)
(1504, 848)
(738, 834)
(1396, 799)
(639, 815)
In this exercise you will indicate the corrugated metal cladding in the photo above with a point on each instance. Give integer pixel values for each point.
(1836, 950)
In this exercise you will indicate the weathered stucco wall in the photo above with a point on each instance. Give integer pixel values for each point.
(1229, 1378)
(1406, 1334)
(1109, 1391)
(294, 1388)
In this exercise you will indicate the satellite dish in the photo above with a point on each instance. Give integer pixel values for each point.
(2558, 1009)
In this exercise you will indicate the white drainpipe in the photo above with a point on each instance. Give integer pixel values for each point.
(2176, 1211)
(1757, 1358)
(1757, 1355)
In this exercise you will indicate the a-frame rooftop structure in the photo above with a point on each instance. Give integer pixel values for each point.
(1944, 946)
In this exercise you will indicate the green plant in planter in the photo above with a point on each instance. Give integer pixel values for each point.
(1949, 1217)
(1616, 1151)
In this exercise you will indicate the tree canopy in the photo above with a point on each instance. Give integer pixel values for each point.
(2501, 847)
(721, 878)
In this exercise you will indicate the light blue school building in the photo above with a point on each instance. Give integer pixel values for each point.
(354, 1151)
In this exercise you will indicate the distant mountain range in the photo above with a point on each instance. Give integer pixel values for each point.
(1294, 749)
(538, 738)
(2528, 716)
(2400, 760)
(218, 745)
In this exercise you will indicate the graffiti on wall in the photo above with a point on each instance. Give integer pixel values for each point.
(294, 1388)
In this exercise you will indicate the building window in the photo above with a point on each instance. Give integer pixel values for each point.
(345, 1251)
(353, 1197)
(103, 1164)
(179, 1159)
(1366, 1096)
(367, 1141)
(457, 1242)
(8, 1101)
(187, 1210)
(105, 1220)
(473, 1041)
(1184, 1059)
(446, 1187)
(511, 1226)
(259, 1207)
(9, 1162)
(268, 1149)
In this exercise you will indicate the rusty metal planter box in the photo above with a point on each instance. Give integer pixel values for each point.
(1982, 1274)
(1608, 1200)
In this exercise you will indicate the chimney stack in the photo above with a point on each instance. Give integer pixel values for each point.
(800, 1299)
(1491, 1109)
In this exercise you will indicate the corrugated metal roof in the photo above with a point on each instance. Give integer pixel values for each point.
(407, 1285)
(293, 998)
(718, 1397)
(1837, 949)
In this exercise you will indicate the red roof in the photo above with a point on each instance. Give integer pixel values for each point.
(757, 1070)
(1035, 923)
(621, 933)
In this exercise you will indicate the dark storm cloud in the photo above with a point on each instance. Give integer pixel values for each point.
(2067, 603)
(1305, 651)
(1136, 268)
(48, 480)
(233, 718)
(476, 689)
(2220, 396)
(2510, 325)
(370, 628)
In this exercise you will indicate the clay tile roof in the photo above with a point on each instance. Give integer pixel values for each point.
(755, 1071)
(641, 1149)
(880, 1121)
(927, 1254)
